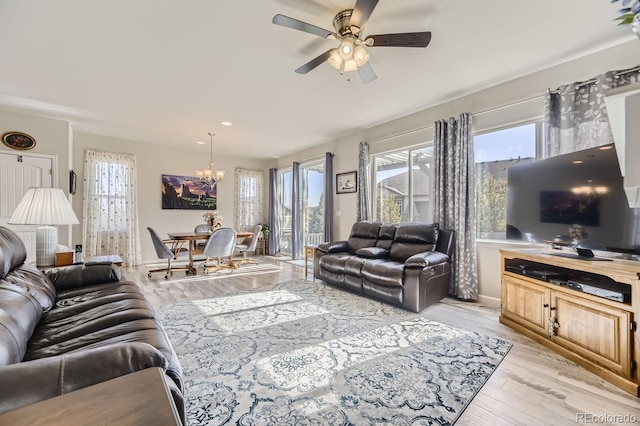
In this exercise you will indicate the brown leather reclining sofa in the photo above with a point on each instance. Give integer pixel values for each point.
(72, 328)
(406, 264)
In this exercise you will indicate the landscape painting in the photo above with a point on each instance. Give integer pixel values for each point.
(188, 193)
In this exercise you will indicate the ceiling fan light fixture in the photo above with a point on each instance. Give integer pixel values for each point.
(346, 48)
(350, 65)
(335, 60)
(360, 55)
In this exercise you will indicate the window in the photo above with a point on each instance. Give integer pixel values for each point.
(249, 190)
(494, 152)
(312, 202)
(403, 185)
(110, 212)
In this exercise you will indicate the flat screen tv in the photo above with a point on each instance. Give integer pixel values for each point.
(573, 197)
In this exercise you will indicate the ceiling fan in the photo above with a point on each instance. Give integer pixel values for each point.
(351, 54)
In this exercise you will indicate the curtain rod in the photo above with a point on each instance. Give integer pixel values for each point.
(595, 80)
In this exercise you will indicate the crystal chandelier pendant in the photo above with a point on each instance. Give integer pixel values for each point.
(208, 176)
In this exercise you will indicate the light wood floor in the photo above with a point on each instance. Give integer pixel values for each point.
(532, 385)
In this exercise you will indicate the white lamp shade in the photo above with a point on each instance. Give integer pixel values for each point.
(44, 206)
(220, 175)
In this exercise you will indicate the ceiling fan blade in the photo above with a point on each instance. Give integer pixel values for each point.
(366, 73)
(420, 39)
(295, 24)
(314, 62)
(361, 12)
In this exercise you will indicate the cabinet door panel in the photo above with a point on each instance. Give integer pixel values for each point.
(596, 331)
(524, 302)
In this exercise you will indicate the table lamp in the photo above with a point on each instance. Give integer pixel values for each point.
(48, 207)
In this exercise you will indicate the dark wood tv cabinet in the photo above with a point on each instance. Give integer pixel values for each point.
(594, 331)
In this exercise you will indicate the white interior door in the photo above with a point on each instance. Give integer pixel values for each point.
(19, 172)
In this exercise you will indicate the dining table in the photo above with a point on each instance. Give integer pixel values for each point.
(192, 238)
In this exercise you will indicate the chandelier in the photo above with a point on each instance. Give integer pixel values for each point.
(207, 175)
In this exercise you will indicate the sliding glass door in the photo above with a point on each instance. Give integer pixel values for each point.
(285, 208)
(312, 203)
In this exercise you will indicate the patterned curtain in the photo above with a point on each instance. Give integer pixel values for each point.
(248, 198)
(576, 115)
(454, 204)
(328, 196)
(364, 204)
(110, 206)
(274, 223)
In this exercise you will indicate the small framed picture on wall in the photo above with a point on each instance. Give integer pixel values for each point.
(346, 182)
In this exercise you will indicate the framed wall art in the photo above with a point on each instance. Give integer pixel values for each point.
(188, 193)
(18, 140)
(346, 182)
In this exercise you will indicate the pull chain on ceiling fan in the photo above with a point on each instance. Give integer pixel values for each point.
(351, 55)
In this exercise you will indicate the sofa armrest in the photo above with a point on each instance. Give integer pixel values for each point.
(427, 258)
(333, 247)
(73, 276)
(29, 382)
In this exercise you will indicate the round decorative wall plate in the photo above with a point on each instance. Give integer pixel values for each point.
(18, 140)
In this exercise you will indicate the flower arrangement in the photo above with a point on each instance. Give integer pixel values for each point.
(213, 219)
(629, 14)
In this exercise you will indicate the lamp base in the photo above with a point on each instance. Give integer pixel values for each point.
(46, 245)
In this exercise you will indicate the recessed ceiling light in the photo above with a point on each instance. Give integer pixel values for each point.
(275, 156)
(606, 147)
(200, 142)
(226, 123)
(578, 162)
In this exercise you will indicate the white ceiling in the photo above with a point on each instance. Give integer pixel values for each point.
(168, 72)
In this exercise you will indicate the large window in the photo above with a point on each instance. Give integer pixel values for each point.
(494, 152)
(312, 202)
(403, 185)
(249, 190)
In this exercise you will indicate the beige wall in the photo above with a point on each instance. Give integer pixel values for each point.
(52, 138)
(153, 161)
(525, 92)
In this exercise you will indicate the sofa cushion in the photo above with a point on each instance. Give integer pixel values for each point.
(363, 234)
(385, 235)
(12, 251)
(34, 282)
(412, 238)
(19, 315)
(373, 252)
(334, 262)
(384, 272)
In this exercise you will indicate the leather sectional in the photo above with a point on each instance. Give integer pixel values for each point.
(72, 328)
(406, 264)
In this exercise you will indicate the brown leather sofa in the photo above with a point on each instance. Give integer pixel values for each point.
(73, 327)
(406, 264)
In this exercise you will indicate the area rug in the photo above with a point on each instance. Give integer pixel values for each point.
(309, 354)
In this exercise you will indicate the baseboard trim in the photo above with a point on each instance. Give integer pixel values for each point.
(493, 302)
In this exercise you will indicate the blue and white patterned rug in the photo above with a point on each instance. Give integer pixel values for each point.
(309, 354)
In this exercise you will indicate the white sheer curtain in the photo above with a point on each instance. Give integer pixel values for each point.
(248, 198)
(110, 206)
